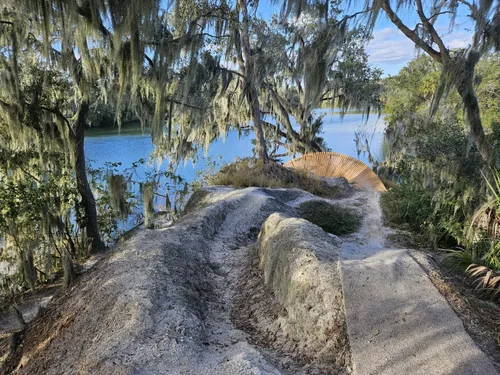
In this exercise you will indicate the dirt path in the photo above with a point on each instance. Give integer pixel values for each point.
(162, 303)
(190, 299)
(227, 350)
(398, 322)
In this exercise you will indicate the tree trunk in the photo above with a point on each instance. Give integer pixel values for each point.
(260, 141)
(94, 241)
(252, 94)
(28, 268)
(465, 88)
(69, 270)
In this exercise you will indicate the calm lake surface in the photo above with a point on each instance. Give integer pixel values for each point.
(106, 145)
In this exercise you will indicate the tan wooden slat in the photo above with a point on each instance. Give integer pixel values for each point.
(333, 164)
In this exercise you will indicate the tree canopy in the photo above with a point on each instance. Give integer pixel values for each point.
(188, 70)
(457, 65)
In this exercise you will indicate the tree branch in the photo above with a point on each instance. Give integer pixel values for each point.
(419, 42)
(435, 15)
(428, 25)
(231, 71)
(353, 15)
(60, 116)
(151, 63)
(214, 36)
(280, 132)
(293, 136)
(187, 105)
(87, 14)
(28, 174)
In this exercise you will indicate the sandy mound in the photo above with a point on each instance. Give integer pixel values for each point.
(166, 302)
(291, 297)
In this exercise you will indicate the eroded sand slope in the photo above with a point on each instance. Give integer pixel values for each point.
(169, 301)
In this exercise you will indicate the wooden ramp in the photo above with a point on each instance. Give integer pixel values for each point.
(332, 164)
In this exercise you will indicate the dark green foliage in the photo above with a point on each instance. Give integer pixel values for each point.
(41, 217)
(441, 186)
(495, 134)
(483, 254)
(458, 66)
(434, 164)
(333, 219)
(439, 175)
(412, 90)
(35, 207)
(101, 115)
(407, 205)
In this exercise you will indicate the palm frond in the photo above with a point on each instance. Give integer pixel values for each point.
(484, 280)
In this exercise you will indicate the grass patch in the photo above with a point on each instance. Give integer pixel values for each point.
(333, 219)
(250, 172)
(195, 202)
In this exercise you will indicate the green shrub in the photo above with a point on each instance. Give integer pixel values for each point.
(250, 172)
(407, 205)
(437, 180)
(333, 219)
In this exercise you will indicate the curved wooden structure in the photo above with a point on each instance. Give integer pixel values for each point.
(332, 164)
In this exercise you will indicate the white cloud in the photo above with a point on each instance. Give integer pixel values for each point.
(458, 39)
(390, 46)
(391, 49)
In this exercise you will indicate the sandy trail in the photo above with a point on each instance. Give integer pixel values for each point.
(189, 299)
(398, 322)
(162, 303)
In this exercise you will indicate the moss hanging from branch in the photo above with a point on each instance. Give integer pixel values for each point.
(148, 194)
(118, 189)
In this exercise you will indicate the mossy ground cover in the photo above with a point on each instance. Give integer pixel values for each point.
(333, 219)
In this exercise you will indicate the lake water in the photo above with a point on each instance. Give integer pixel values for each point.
(107, 146)
(103, 146)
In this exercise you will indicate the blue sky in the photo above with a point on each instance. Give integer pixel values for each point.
(389, 49)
